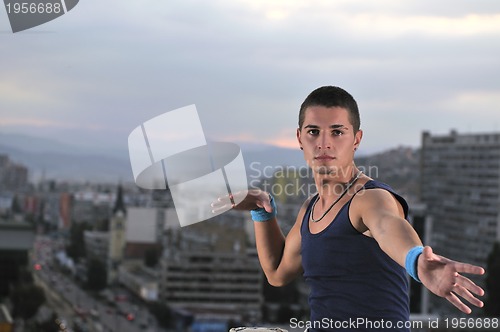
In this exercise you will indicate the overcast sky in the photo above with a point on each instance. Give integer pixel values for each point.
(93, 75)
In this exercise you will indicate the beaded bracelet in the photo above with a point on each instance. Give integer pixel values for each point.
(411, 261)
(261, 215)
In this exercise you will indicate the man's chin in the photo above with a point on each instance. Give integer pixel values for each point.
(325, 170)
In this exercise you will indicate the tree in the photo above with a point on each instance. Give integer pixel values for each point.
(102, 225)
(492, 305)
(25, 276)
(97, 275)
(49, 325)
(26, 299)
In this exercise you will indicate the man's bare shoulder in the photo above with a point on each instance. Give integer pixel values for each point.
(368, 198)
(374, 200)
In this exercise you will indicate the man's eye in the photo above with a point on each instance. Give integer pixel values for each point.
(313, 131)
(337, 133)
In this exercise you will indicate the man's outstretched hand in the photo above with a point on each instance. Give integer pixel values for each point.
(443, 277)
(248, 200)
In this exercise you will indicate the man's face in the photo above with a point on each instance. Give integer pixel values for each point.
(328, 140)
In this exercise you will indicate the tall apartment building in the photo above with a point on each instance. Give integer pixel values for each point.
(460, 184)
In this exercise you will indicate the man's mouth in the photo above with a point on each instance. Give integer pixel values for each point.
(324, 157)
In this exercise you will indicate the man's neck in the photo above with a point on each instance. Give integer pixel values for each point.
(332, 184)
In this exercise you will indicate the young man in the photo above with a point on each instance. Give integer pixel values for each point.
(351, 241)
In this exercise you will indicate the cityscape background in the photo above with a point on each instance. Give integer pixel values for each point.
(108, 256)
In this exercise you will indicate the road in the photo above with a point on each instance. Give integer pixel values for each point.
(75, 305)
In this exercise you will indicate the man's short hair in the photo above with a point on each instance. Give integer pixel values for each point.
(331, 96)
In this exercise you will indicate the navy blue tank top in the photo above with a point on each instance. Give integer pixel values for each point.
(354, 285)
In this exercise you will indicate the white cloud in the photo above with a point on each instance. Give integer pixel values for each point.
(247, 65)
(476, 104)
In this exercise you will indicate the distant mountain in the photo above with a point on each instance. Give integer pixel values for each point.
(399, 167)
(56, 160)
(70, 166)
(37, 144)
(266, 156)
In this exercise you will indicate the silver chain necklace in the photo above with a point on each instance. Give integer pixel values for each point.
(349, 185)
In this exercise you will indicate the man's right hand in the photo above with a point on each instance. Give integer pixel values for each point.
(248, 200)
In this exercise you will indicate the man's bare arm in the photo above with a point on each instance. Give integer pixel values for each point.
(378, 211)
(279, 256)
(383, 216)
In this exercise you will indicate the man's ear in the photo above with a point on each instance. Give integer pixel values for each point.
(298, 138)
(357, 139)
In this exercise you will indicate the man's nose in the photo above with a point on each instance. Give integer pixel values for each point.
(324, 142)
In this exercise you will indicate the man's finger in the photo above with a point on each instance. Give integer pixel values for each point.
(453, 299)
(466, 295)
(468, 268)
(469, 284)
(219, 208)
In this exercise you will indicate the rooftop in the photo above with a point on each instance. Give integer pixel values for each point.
(16, 236)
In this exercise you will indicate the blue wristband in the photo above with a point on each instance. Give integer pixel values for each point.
(412, 260)
(262, 215)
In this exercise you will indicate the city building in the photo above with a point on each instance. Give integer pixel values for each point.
(64, 216)
(140, 280)
(91, 206)
(97, 245)
(144, 230)
(211, 270)
(460, 184)
(133, 231)
(13, 176)
(16, 244)
(51, 210)
(117, 240)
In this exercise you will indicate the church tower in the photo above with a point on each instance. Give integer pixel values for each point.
(117, 240)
